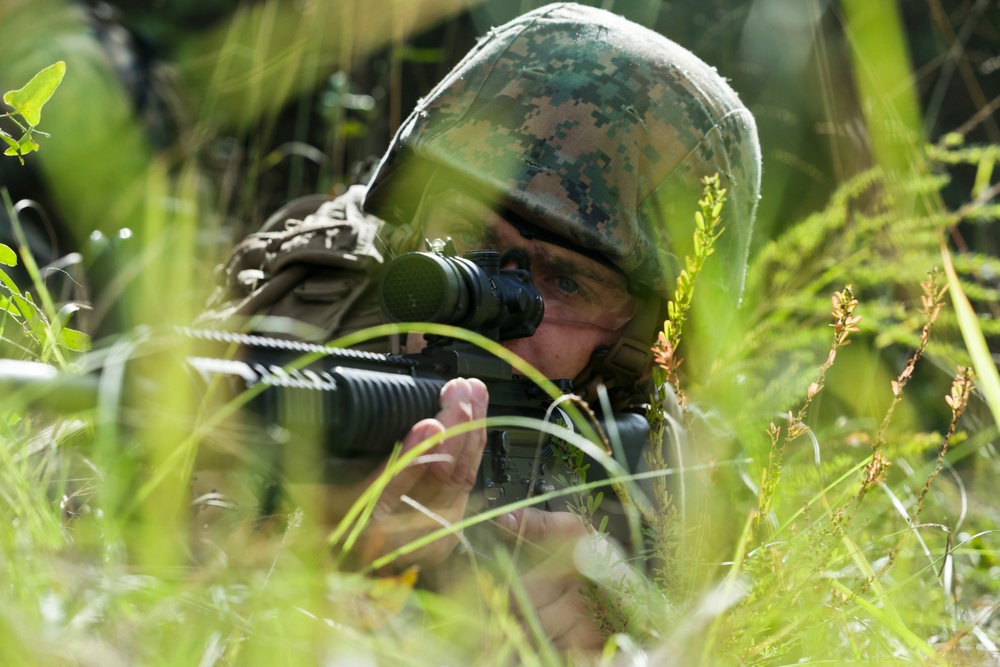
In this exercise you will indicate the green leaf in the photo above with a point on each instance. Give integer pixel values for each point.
(15, 149)
(26, 308)
(7, 306)
(74, 340)
(9, 284)
(7, 255)
(11, 141)
(25, 146)
(888, 621)
(28, 101)
(984, 175)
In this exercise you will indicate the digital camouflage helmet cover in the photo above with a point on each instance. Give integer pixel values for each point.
(598, 131)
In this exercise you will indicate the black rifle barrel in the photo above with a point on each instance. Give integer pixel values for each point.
(356, 406)
(354, 412)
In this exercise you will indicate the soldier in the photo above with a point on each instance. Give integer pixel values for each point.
(573, 141)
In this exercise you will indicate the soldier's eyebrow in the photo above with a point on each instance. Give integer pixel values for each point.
(530, 230)
(488, 234)
(569, 262)
(544, 247)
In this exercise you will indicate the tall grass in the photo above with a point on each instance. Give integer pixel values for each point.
(837, 496)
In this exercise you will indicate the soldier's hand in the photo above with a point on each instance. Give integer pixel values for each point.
(554, 585)
(430, 492)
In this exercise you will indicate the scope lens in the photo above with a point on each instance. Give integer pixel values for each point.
(419, 287)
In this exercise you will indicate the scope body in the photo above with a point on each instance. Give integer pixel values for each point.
(472, 292)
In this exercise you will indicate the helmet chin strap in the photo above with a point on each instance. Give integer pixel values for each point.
(622, 367)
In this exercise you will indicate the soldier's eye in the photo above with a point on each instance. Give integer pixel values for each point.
(470, 236)
(568, 285)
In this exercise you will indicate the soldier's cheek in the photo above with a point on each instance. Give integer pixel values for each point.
(559, 351)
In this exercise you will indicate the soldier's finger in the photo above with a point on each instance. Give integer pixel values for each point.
(536, 525)
(409, 478)
(462, 400)
(470, 453)
(565, 618)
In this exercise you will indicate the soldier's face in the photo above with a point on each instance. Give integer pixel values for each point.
(564, 342)
(587, 304)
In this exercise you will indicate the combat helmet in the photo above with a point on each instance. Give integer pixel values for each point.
(598, 131)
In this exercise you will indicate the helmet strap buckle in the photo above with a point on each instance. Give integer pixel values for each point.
(631, 355)
(623, 366)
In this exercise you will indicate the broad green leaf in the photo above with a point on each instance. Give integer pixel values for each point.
(74, 340)
(9, 283)
(7, 255)
(67, 311)
(11, 141)
(27, 310)
(70, 338)
(28, 101)
(26, 145)
(7, 306)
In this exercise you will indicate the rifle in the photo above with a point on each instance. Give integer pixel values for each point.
(360, 404)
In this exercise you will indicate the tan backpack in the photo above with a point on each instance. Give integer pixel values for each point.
(309, 273)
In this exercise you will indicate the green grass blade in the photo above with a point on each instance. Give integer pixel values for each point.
(888, 621)
(987, 378)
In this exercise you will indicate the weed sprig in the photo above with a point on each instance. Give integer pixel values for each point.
(707, 231)
(932, 302)
(845, 322)
(665, 529)
(958, 401)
